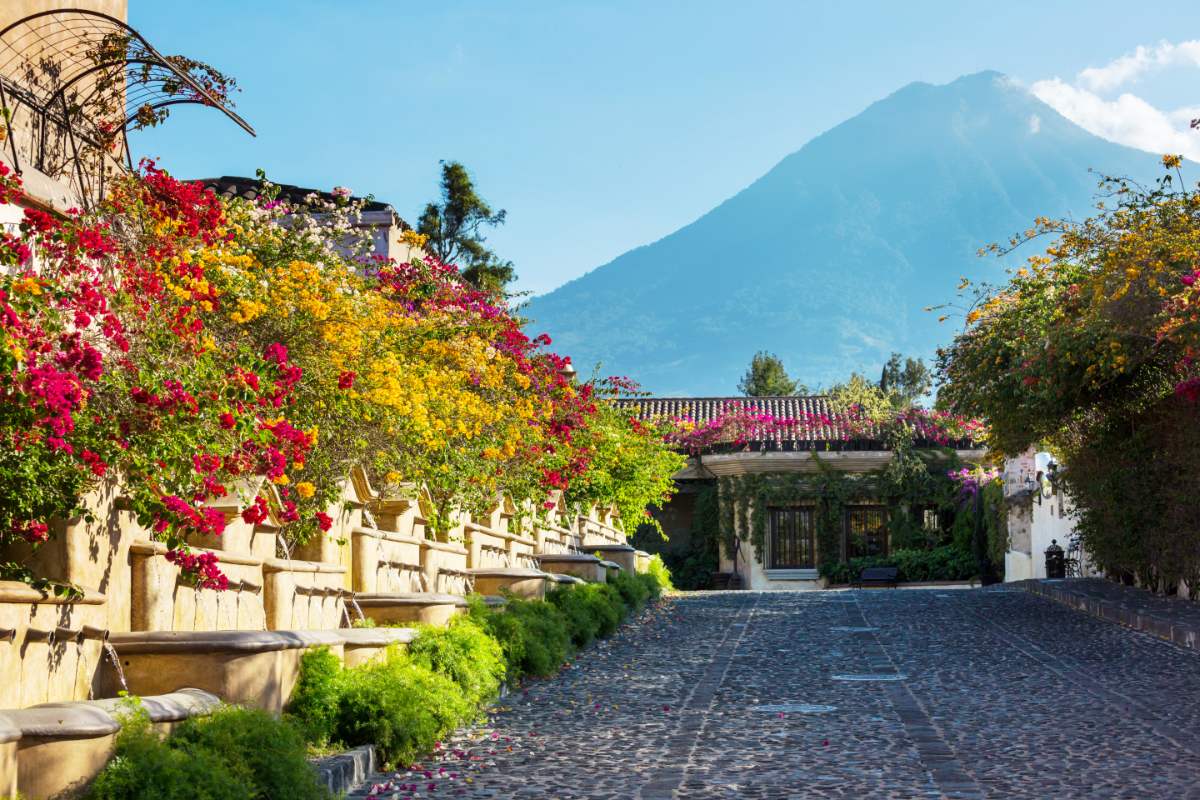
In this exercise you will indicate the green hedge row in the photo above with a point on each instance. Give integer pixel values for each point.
(402, 704)
(416, 697)
(947, 563)
(231, 754)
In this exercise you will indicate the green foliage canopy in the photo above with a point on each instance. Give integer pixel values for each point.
(454, 227)
(766, 377)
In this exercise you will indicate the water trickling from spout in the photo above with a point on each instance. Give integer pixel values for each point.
(357, 609)
(81, 664)
(111, 652)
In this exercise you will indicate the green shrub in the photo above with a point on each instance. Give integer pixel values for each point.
(400, 706)
(145, 765)
(654, 585)
(947, 563)
(633, 591)
(232, 754)
(578, 609)
(607, 605)
(691, 571)
(465, 653)
(267, 755)
(314, 701)
(661, 575)
(508, 631)
(546, 638)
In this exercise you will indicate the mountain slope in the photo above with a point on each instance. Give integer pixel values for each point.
(829, 258)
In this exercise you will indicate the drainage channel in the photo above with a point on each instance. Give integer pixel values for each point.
(948, 773)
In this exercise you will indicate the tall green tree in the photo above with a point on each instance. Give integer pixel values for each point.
(454, 227)
(766, 377)
(863, 395)
(906, 382)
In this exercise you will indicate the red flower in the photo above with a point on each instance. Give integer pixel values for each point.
(227, 421)
(276, 353)
(39, 221)
(324, 521)
(346, 380)
(94, 461)
(257, 512)
(32, 532)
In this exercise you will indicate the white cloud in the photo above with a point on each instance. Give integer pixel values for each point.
(1126, 118)
(1184, 115)
(1129, 67)
(1035, 123)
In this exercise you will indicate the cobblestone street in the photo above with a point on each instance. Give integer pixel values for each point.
(887, 693)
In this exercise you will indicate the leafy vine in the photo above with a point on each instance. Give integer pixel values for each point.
(914, 477)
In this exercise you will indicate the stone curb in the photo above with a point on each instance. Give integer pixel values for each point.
(1180, 633)
(345, 772)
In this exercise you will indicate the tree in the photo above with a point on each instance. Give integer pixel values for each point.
(908, 384)
(766, 377)
(453, 227)
(862, 396)
(1093, 350)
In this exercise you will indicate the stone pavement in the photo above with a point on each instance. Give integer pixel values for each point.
(1167, 618)
(857, 694)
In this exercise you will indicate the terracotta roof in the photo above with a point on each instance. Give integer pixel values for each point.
(704, 409)
(247, 188)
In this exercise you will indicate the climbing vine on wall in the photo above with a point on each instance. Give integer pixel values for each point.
(912, 478)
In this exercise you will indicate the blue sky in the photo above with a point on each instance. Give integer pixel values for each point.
(601, 126)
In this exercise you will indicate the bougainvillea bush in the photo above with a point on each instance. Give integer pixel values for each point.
(1091, 349)
(189, 348)
(741, 422)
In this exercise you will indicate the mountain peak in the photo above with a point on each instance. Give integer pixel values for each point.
(829, 258)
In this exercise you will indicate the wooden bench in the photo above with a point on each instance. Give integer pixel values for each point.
(877, 576)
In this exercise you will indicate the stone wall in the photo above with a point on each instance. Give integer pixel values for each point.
(138, 624)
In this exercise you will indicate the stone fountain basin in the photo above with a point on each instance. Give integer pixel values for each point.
(518, 581)
(581, 565)
(430, 608)
(252, 668)
(363, 645)
(625, 556)
(54, 749)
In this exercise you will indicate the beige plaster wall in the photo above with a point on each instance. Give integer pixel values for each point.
(302, 595)
(384, 561)
(43, 658)
(162, 602)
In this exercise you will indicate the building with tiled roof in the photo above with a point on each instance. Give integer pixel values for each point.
(230, 186)
(813, 409)
(773, 487)
(385, 225)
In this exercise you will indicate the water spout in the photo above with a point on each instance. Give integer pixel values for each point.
(8, 634)
(62, 634)
(92, 633)
(115, 660)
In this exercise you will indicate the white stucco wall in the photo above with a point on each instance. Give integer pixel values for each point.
(1037, 516)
